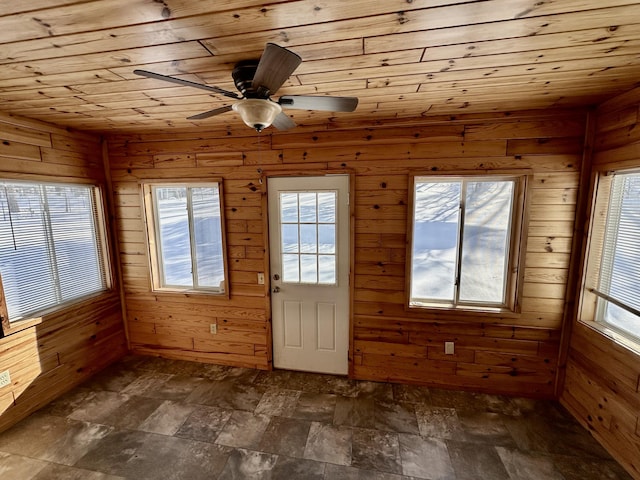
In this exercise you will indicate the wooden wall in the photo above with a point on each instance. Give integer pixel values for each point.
(61, 349)
(516, 354)
(602, 383)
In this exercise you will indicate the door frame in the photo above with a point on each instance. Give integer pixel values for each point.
(264, 176)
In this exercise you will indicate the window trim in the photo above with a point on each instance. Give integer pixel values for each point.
(102, 236)
(590, 299)
(517, 244)
(5, 325)
(154, 245)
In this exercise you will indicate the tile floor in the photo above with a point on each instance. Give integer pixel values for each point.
(150, 418)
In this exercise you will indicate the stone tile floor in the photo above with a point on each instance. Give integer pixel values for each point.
(151, 418)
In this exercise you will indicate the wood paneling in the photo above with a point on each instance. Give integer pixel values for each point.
(61, 349)
(515, 353)
(602, 382)
(72, 62)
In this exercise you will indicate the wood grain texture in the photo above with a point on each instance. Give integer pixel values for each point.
(56, 352)
(512, 353)
(72, 62)
(602, 388)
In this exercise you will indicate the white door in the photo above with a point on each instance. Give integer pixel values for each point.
(309, 243)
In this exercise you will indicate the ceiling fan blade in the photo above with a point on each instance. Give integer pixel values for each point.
(275, 66)
(210, 113)
(186, 83)
(283, 122)
(310, 102)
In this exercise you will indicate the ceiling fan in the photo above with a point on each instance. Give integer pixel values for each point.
(257, 80)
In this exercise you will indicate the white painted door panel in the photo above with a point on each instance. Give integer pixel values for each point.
(309, 247)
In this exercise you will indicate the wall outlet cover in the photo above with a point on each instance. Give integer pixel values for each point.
(5, 379)
(449, 348)
(213, 329)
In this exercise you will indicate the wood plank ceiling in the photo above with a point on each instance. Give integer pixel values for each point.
(70, 62)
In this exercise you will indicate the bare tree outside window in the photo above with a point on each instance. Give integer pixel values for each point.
(187, 230)
(462, 233)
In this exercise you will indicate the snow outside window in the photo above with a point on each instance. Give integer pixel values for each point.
(462, 241)
(308, 236)
(617, 287)
(188, 236)
(51, 245)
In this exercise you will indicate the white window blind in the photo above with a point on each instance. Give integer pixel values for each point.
(50, 247)
(618, 287)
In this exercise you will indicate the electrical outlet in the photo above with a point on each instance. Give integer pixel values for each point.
(5, 379)
(449, 348)
(213, 328)
(260, 278)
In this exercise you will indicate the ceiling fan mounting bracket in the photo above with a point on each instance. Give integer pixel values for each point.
(243, 74)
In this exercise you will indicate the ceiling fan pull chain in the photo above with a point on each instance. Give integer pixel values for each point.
(259, 157)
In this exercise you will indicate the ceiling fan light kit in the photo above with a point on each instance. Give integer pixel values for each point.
(256, 112)
(257, 80)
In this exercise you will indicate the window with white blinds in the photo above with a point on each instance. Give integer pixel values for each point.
(617, 282)
(51, 246)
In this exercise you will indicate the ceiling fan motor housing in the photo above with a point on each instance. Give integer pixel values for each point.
(243, 74)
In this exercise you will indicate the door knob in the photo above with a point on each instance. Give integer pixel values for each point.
(275, 289)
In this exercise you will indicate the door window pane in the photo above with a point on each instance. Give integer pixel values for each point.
(308, 232)
(308, 268)
(308, 207)
(290, 268)
(289, 207)
(327, 238)
(326, 269)
(290, 241)
(308, 238)
(326, 207)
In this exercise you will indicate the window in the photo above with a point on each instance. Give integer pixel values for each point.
(52, 247)
(308, 236)
(186, 237)
(464, 242)
(614, 262)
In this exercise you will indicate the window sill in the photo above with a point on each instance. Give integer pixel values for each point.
(170, 292)
(20, 325)
(46, 315)
(466, 309)
(613, 335)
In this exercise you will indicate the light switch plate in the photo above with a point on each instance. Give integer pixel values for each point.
(449, 348)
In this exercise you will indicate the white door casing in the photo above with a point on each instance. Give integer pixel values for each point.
(309, 254)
